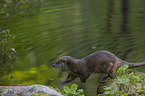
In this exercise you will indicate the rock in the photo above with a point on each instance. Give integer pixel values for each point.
(35, 90)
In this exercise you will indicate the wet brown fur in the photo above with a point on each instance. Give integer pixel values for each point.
(97, 62)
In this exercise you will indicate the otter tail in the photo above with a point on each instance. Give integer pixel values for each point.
(132, 65)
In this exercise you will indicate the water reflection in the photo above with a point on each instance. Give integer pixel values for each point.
(47, 30)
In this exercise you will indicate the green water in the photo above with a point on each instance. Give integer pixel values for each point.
(46, 30)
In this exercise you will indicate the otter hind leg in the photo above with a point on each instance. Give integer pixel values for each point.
(69, 78)
(111, 73)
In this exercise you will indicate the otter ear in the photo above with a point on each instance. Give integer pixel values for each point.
(65, 61)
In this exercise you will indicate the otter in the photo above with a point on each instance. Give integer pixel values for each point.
(97, 62)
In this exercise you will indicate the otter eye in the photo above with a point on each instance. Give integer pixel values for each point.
(63, 61)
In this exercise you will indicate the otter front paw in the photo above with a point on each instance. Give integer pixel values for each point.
(63, 82)
(83, 81)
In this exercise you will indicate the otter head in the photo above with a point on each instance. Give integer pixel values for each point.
(61, 63)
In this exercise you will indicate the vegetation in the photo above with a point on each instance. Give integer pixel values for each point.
(36, 75)
(71, 90)
(126, 83)
(7, 54)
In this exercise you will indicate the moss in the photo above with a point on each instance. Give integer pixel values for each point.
(40, 94)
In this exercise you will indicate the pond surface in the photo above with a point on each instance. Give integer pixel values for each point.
(46, 30)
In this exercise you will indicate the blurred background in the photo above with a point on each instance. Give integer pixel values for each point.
(35, 33)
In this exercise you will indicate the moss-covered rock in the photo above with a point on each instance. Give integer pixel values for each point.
(127, 82)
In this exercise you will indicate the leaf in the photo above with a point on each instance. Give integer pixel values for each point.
(122, 80)
(66, 89)
(109, 92)
(107, 88)
(80, 90)
(130, 74)
(142, 92)
(74, 87)
(131, 92)
(136, 77)
(13, 49)
(118, 92)
(124, 67)
(125, 94)
(74, 92)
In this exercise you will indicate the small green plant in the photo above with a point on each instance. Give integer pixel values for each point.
(72, 91)
(125, 83)
(55, 88)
